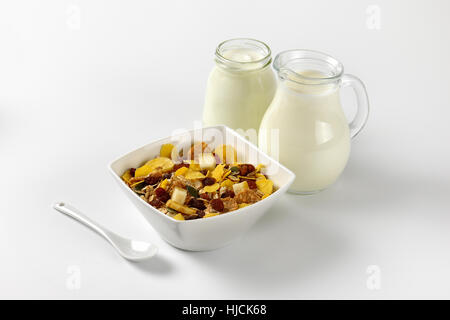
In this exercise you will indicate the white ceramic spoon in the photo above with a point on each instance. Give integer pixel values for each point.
(129, 249)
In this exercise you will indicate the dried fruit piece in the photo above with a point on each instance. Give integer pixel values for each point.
(200, 213)
(132, 172)
(209, 181)
(196, 203)
(239, 187)
(217, 205)
(164, 163)
(226, 153)
(180, 208)
(162, 194)
(212, 188)
(251, 184)
(246, 169)
(153, 178)
(205, 196)
(227, 193)
(207, 161)
(166, 150)
(156, 203)
(179, 195)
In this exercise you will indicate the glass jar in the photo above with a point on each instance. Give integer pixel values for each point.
(240, 86)
(312, 134)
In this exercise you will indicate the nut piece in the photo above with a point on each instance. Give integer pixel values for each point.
(230, 204)
(247, 196)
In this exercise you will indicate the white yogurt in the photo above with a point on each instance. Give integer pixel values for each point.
(239, 89)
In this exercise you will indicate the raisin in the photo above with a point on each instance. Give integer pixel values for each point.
(217, 205)
(251, 184)
(228, 193)
(162, 194)
(200, 213)
(156, 203)
(209, 181)
(180, 165)
(132, 171)
(205, 196)
(191, 217)
(246, 169)
(153, 178)
(196, 203)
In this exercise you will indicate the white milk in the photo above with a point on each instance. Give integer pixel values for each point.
(239, 96)
(314, 140)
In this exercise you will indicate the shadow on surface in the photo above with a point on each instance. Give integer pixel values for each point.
(307, 244)
(156, 265)
(283, 247)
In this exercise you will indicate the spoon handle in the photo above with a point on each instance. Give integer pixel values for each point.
(78, 216)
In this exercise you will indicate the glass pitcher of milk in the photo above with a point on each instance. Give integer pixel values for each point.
(240, 86)
(305, 127)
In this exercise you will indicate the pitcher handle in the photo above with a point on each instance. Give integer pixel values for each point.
(362, 99)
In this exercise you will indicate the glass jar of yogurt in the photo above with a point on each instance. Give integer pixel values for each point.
(240, 86)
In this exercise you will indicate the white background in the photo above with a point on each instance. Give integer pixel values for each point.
(82, 82)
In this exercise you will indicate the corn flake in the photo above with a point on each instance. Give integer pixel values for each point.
(265, 186)
(211, 188)
(181, 172)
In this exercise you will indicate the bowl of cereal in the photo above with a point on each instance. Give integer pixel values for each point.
(203, 188)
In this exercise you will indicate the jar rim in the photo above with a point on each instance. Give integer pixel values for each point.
(237, 65)
(334, 67)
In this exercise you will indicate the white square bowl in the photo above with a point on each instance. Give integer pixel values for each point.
(214, 232)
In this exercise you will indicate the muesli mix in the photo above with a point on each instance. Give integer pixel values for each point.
(202, 184)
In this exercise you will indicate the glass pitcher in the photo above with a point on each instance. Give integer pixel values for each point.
(240, 86)
(305, 127)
